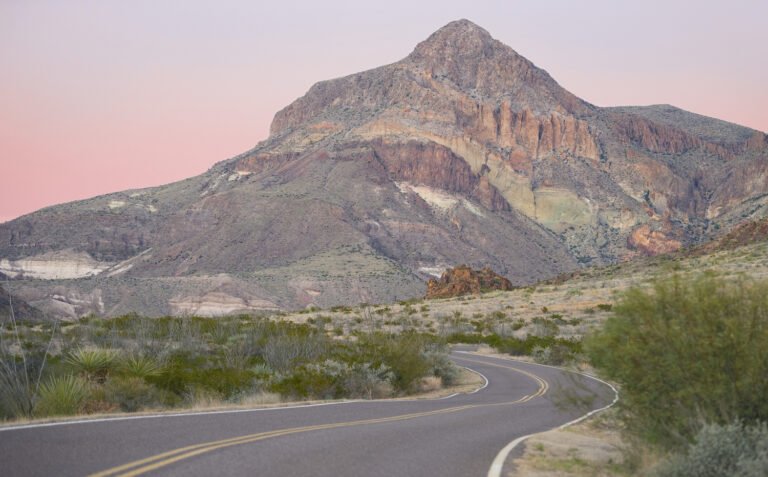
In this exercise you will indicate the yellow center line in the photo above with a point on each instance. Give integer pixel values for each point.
(157, 461)
(543, 385)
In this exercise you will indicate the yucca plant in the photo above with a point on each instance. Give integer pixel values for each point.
(92, 364)
(139, 366)
(61, 395)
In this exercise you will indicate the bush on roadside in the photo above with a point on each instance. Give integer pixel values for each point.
(402, 354)
(734, 449)
(133, 394)
(132, 363)
(686, 352)
(61, 395)
(441, 366)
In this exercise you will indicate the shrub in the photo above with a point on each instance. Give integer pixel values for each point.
(283, 352)
(92, 364)
(402, 354)
(442, 367)
(61, 395)
(369, 382)
(545, 328)
(140, 366)
(17, 395)
(687, 352)
(719, 450)
(186, 374)
(323, 381)
(554, 355)
(133, 394)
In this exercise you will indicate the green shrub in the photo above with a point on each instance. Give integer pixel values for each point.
(92, 364)
(185, 374)
(722, 450)
(402, 354)
(687, 352)
(61, 395)
(323, 381)
(140, 366)
(133, 394)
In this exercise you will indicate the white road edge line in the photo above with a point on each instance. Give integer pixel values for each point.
(226, 411)
(485, 378)
(498, 462)
(175, 414)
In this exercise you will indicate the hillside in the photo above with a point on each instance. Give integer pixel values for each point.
(576, 303)
(462, 152)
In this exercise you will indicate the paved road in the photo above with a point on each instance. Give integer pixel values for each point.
(456, 436)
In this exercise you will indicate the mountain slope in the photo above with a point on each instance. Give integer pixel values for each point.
(463, 152)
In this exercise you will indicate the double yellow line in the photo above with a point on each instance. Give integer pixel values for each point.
(164, 459)
(543, 385)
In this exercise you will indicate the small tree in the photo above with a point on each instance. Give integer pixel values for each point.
(687, 352)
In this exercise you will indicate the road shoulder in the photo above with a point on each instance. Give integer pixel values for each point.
(590, 448)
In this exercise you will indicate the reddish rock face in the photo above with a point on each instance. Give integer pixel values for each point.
(652, 242)
(436, 166)
(463, 280)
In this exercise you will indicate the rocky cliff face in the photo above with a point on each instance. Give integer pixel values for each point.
(14, 308)
(462, 152)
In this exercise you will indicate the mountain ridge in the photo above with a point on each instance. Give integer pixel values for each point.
(462, 152)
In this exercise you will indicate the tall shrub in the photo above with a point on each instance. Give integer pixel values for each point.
(685, 352)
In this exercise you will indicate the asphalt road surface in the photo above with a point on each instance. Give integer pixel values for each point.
(455, 436)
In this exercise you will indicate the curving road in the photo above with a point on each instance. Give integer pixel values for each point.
(460, 435)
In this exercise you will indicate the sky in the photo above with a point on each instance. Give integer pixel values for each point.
(106, 95)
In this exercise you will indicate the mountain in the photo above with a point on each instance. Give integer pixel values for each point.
(462, 152)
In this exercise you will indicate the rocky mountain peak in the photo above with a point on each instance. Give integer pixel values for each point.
(458, 39)
(459, 63)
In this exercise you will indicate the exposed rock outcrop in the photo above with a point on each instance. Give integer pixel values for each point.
(463, 280)
(13, 307)
(651, 241)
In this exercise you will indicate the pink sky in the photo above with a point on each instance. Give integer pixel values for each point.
(100, 96)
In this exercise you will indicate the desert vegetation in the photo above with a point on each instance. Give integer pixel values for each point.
(134, 363)
(691, 357)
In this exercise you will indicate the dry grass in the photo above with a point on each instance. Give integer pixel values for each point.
(430, 384)
(591, 448)
(578, 299)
